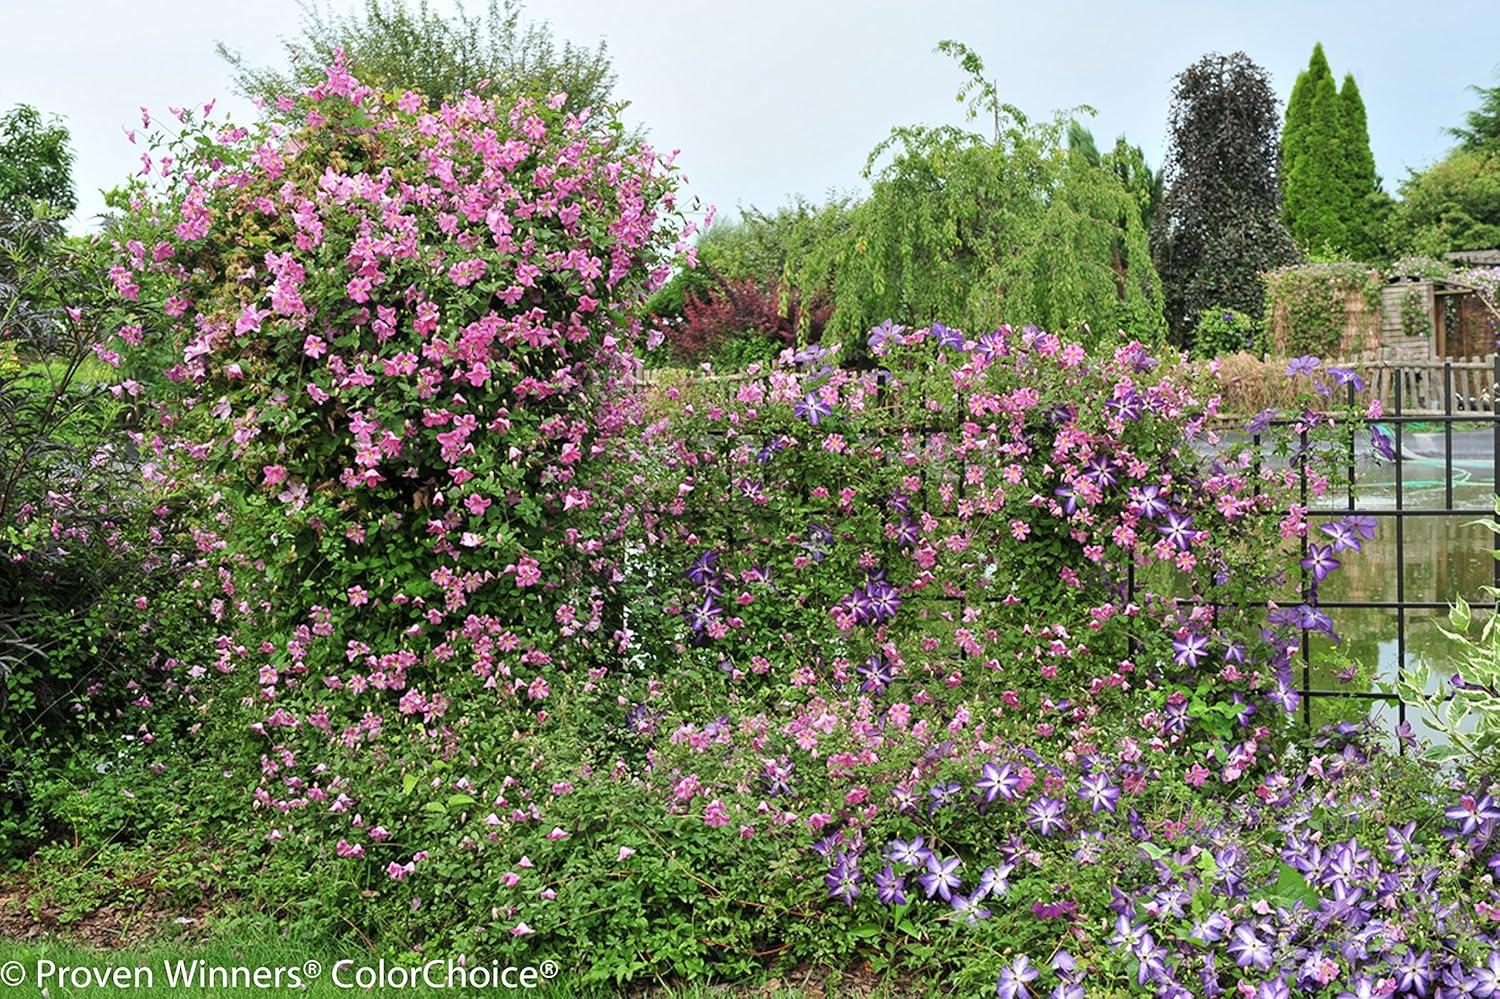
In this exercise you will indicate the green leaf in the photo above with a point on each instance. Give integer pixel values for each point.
(1293, 887)
(1460, 616)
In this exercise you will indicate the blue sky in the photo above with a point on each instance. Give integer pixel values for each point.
(772, 98)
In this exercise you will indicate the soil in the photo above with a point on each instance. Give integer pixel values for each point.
(25, 915)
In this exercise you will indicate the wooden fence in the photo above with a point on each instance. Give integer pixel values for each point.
(1429, 385)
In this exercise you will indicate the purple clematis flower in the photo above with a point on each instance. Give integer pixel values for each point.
(940, 879)
(1485, 980)
(992, 345)
(843, 879)
(942, 794)
(1148, 501)
(877, 674)
(1304, 365)
(1381, 442)
(948, 338)
(1320, 561)
(968, 908)
(1189, 650)
(1099, 793)
(1398, 842)
(1100, 469)
(1472, 813)
(812, 409)
(880, 600)
(887, 334)
(704, 567)
(1014, 978)
(1127, 934)
(1126, 408)
(912, 852)
(1047, 815)
(1178, 530)
(1347, 376)
(1345, 538)
(1414, 973)
(994, 881)
(1274, 988)
(700, 617)
(1249, 950)
(890, 888)
(997, 780)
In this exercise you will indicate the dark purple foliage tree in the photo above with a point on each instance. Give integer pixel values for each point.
(1219, 226)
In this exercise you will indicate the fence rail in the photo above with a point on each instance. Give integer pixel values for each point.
(1429, 385)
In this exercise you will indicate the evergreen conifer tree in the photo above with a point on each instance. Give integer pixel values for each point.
(1362, 183)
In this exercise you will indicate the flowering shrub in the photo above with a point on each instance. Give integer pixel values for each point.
(744, 318)
(393, 335)
(93, 605)
(1000, 533)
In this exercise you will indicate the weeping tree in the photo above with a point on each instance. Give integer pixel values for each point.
(1220, 225)
(400, 43)
(979, 229)
(1129, 164)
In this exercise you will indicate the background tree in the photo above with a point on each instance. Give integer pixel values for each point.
(763, 281)
(1455, 203)
(1331, 194)
(1316, 196)
(35, 164)
(1367, 203)
(1452, 205)
(400, 43)
(1220, 225)
(1481, 132)
(976, 230)
(1129, 164)
(1299, 117)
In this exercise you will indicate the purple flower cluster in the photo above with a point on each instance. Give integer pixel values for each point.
(706, 610)
(876, 602)
(1264, 902)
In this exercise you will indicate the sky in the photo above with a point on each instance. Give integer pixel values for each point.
(768, 99)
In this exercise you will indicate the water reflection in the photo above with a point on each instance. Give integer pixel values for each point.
(1445, 557)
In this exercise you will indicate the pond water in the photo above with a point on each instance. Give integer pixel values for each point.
(1445, 557)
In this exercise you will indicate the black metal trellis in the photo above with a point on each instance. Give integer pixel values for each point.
(1399, 514)
(1465, 411)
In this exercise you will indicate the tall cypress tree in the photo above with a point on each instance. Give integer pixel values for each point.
(1299, 109)
(1316, 197)
(1360, 179)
